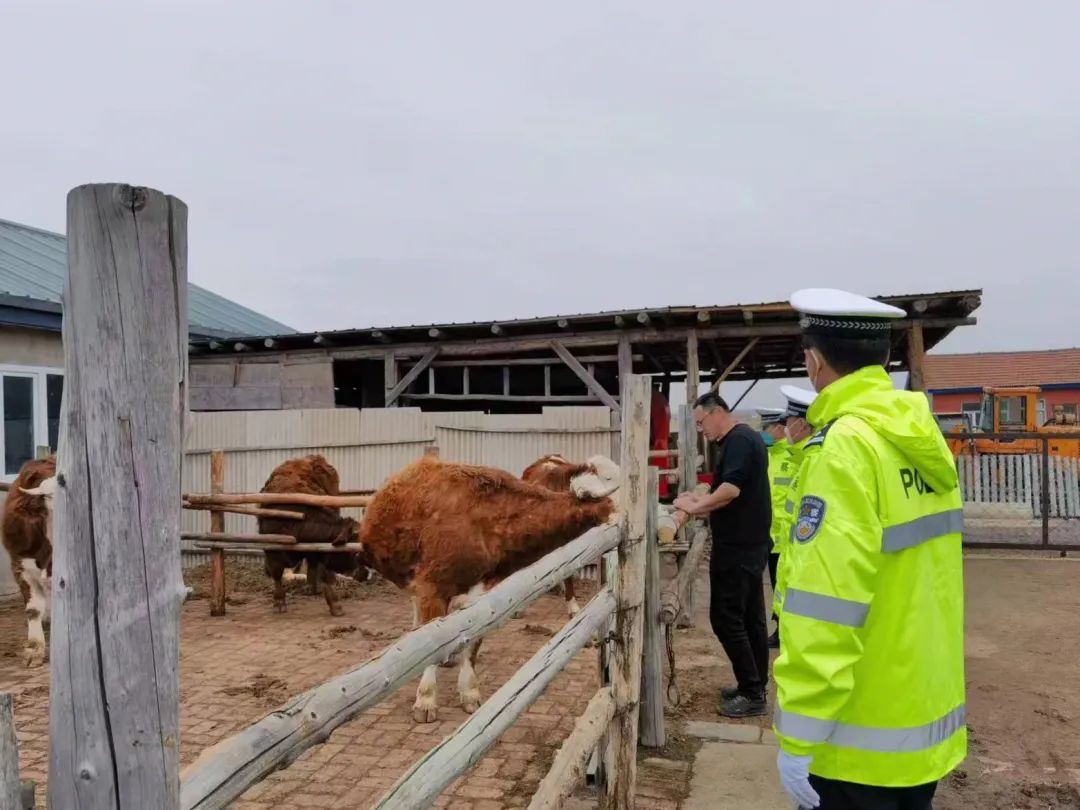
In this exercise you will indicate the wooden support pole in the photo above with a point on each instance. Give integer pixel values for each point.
(568, 769)
(224, 771)
(229, 537)
(693, 367)
(114, 733)
(413, 375)
(916, 357)
(626, 655)
(677, 596)
(231, 545)
(425, 780)
(734, 364)
(583, 374)
(9, 756)
(390, 376)
(688, 449)
(301, 498)
(217, 527)
(652, 672)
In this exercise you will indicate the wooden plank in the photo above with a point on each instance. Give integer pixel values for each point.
(584, 375)
(217, 527)
(1075, 487)
(652, 671)
(625, 661)
(626, 361)
(693, 367)
(580, 399)
(976, 466)
(230, 537)
(390, 375)
(301, 498)
(1029, 484)
(734, 364)
(572, 759)
(224, 771)
(413, 375)
(525, 361)
(307, 383)
(421, 785)
(113, 693)
(916, 357)
(9, 756)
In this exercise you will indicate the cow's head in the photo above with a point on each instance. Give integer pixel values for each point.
(46, 489)
(601, 480)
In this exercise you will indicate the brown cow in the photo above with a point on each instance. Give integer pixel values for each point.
(449, 532)
(312, 475)
(27, 530)
(555, 472)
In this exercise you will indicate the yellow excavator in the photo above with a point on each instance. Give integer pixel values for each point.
(1012, 410)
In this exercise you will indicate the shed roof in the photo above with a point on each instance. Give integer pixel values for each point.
(1052, 367)
(33, 266)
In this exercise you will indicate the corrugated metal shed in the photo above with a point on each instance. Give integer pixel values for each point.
(33, 264)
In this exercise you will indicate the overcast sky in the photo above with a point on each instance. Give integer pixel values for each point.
(350, 164)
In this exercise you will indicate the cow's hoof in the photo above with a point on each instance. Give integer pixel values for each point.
(279, 607)
(337, 610)
(423, 713)
(451, 660)
(573, 608)
(34, 655)
(471, 701)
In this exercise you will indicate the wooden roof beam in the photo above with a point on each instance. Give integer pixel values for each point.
(734, 364)
(583, 374)
(413, 375)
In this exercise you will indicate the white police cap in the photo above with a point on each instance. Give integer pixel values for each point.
(771, 416)
(843, 314)
(799, 400)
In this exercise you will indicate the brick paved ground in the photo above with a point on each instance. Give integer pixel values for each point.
(237, 668)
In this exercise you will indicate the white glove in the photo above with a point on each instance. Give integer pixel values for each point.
(795, 778)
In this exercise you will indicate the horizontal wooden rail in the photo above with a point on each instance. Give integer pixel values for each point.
(224, 545)
(300, 498)
(251, 511)
(568, 769)
(224, 771)
(228, 537)
(430, 775)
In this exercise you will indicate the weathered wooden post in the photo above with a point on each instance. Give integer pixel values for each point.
(217, 526)
(9, 756)
(117, 588)
(688, 438)
(652, 675)
(620, 757)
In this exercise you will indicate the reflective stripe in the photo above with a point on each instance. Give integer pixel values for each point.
(826, 608)
(865, 738)
(782, 482)
(927, 527)
(789, 507)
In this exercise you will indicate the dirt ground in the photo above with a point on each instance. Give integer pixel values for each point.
(1023, 682)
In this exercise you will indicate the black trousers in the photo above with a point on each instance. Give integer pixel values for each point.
(773, 560)
(737, 615)
(850, 796)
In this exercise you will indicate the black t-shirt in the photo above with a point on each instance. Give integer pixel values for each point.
(741, 529)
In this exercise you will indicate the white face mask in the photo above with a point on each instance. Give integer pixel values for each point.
(813, 369)
(787, 435)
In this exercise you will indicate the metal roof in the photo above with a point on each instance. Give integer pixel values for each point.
(33, 265)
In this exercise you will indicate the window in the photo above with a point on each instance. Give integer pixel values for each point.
(972, 410)
(1069, 409)
(1013, 411)
(1040, 412)
(30, 410)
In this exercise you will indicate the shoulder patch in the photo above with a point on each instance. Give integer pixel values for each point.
(809, 518)
(818, 438)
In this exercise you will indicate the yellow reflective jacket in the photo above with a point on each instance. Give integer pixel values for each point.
(796, 455)
(780, 472)
(870, 678)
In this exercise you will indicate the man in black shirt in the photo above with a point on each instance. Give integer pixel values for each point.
(740, 514)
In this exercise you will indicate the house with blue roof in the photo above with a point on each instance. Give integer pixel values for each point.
(33, 267)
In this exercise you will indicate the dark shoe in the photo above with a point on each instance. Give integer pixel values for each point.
(742, 706)
(728, 692)
(774, 640)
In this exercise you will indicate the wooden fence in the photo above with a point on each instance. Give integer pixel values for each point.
(1017, 480)
(223, 772)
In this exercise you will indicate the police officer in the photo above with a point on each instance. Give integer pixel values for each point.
(870, 680)
(773, 433)
(797, 433)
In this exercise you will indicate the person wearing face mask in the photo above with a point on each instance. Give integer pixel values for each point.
(797, 432)
(870, 707)
(773, 434)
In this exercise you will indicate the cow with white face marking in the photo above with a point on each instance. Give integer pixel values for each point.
(27, 537)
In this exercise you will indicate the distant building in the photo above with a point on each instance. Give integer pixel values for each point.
(33, 267)
(955, 381)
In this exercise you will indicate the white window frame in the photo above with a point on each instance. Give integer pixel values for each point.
(1040, 412)
(975, 411)
(40, 376)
